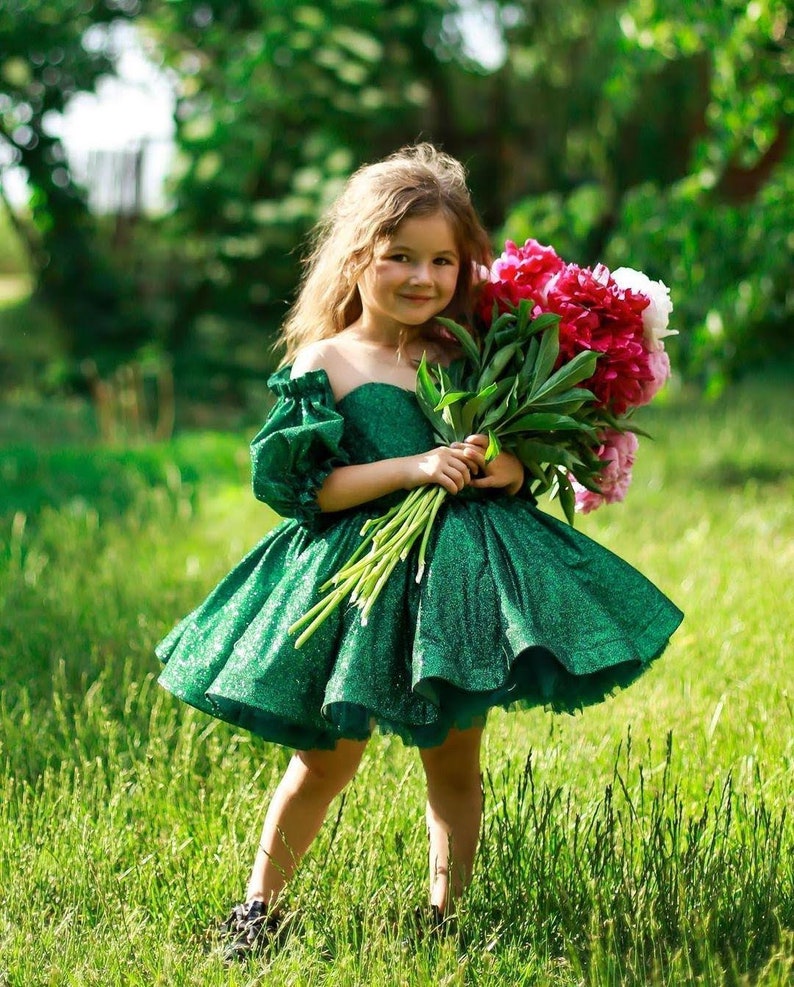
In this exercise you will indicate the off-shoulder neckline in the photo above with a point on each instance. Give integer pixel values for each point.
(375, 383)
(358, 387)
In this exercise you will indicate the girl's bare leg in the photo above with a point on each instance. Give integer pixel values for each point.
(296, 812)
(454, 811)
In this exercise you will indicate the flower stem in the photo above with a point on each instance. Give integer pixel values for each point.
(387, 540)
(439, 498)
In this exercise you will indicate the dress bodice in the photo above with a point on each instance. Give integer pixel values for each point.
(383, 421)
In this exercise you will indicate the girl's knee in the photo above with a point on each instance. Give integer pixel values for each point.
(329, 770)
(456, 762)
(459, 747)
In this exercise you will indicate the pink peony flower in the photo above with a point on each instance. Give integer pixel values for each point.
(659, 365)
(531, 265)
(520, 272)
(617, 451)
(622, 316)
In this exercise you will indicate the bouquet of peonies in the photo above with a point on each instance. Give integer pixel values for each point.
(562, 358)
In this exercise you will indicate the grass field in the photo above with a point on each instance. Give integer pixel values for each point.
(645, 842)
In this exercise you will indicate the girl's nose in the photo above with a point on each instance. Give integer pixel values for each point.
(421, 274)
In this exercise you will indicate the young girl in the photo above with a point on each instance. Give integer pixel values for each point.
(514, 608)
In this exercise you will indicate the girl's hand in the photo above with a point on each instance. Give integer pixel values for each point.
(451, 467)
(504, 472)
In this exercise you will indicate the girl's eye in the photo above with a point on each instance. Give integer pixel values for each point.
(404, 259)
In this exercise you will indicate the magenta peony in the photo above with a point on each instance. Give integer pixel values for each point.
(622, 315)
(598, 315)
(531, 265)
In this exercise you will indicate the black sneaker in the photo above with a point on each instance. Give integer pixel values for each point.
(431, 924)
(248, 930)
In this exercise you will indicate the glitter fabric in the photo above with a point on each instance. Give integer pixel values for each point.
(515, 608)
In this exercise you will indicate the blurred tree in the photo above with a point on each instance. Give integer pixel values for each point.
(644, 132)
(278, 103)
(50, 53)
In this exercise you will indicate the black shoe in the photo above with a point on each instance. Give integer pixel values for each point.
(248, 930)
(431, 923)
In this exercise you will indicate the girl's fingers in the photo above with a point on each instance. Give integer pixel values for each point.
(472, 454)
(478, 439)
(478, 458)
(460, 474)
(451, 483)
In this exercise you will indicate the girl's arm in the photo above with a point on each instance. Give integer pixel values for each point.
(449, 466)
(349, 486)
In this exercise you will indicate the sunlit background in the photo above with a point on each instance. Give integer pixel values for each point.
(162, 163)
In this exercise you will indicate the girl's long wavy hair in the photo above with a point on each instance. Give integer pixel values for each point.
(418, 180)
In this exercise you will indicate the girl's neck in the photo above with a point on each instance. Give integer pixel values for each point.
(384, 335)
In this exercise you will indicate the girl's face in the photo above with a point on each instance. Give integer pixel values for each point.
(412, 275)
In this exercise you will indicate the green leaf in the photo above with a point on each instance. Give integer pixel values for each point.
(497, 365)
(494, 409)
(587, 478)
(567, 497)
(494, 447)
(528, 367)
(444, 379)
(544, 422)
(497, 323)
(506, 408)
(528, 451)
(543, 321)
(545, 478)
(576, 395)
(580, 368)
(428, 396)
(458, 371)
(500, 322)
(427, 393)
(452, 416)
(637, 431)
(506, 336)
(547, 357)
(536, 470)
(464, 337)
(475, 406)
(489, 391)
(451, 397)
(525, 307)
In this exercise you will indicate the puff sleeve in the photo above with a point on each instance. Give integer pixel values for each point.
(298, 446)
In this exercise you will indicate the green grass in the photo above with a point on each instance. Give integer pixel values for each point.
(645, 842)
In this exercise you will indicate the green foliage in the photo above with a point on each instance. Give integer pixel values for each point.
(13, 259)
(277, 104)
(108, 481)
(654, 135)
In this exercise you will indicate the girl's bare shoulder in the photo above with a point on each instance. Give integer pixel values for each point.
(334, 357)
(318, 355)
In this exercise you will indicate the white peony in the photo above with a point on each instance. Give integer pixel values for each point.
(656, 316)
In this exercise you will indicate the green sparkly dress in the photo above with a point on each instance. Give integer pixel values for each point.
(515, 608)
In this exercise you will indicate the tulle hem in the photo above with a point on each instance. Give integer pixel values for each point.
(536, 679)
